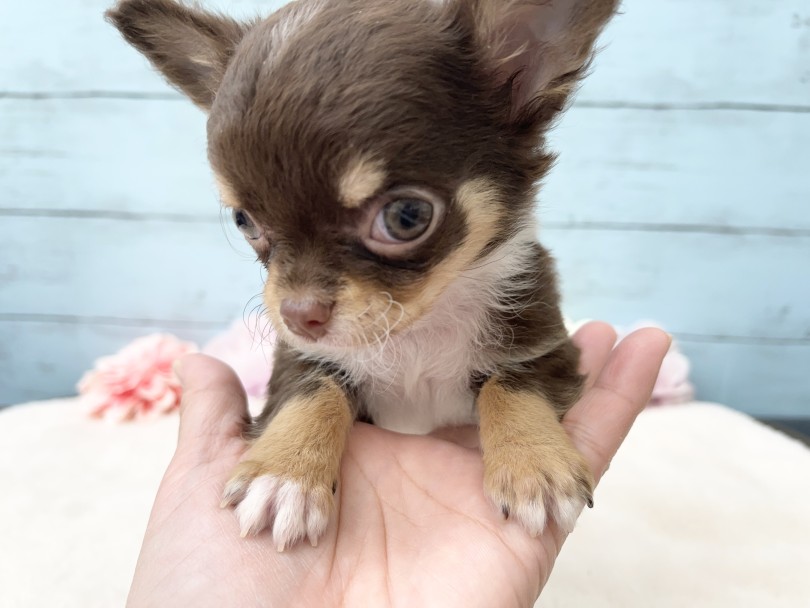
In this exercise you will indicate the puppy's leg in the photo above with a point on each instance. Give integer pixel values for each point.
(289, 475)
(531, 469)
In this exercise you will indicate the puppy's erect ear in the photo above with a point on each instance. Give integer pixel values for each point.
(189, 46)
(547, 43)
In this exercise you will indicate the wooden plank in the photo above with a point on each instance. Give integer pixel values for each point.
(721, 169)
(130, 270)
(694, 52)
(115, 155)
(765, 380)
(670, 51)
(748, 286)
(45, 360)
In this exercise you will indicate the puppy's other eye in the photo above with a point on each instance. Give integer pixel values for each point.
(246, 224)
(402, 220)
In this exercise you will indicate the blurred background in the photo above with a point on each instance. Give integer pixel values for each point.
(682, 195)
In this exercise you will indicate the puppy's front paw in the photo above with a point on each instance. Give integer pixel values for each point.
(289, 475)
(531, 483)
(293, 507)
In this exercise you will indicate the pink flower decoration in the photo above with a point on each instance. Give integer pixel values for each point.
(136, 382)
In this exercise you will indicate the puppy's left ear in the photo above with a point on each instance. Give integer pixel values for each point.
(544, 45)
(189, 46)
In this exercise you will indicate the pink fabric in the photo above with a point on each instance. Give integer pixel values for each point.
(247, 346)
(136, 382)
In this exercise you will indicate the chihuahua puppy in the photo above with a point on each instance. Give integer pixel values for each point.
(382, 159)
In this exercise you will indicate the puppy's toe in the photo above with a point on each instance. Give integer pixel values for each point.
(531, 488)
(292, 509)
(256, 507)
(301, 512)
(567, 510)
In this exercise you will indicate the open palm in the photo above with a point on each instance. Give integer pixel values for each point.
(413, 527)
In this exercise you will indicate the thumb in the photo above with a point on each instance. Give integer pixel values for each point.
(213, 406)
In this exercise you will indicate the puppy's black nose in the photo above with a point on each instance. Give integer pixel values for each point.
(306, 318)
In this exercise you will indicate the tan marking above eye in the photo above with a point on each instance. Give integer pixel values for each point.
(226, 192)
(362, 179)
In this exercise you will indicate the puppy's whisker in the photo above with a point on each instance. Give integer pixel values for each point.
(487, 264)
(401, 314)
(388, 346)
(255, 317)
(257, 296)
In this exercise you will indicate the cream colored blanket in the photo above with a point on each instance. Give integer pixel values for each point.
(702, 507)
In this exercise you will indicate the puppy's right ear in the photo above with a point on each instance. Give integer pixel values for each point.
(542, 46)
(190, 47)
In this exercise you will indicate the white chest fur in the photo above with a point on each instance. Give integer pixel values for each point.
(422, 382)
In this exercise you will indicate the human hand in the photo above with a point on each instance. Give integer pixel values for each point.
(413, 526)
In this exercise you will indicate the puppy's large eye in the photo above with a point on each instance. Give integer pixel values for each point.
(402, 220)
(246, 224)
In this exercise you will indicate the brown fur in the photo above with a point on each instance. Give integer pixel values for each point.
(528, 457)
(319, 112)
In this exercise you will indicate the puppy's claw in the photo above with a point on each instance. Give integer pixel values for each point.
(589, 502)
(505, 511)
(234, 493)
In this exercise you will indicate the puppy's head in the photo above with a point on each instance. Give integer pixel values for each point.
(372, 150)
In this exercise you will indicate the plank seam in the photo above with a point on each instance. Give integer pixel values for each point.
(714, 229)
(710, 106)
(79, 95)
(741, 340)
(102, 214)
(109, 321)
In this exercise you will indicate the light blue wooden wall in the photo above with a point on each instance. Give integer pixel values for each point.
(682, 195)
